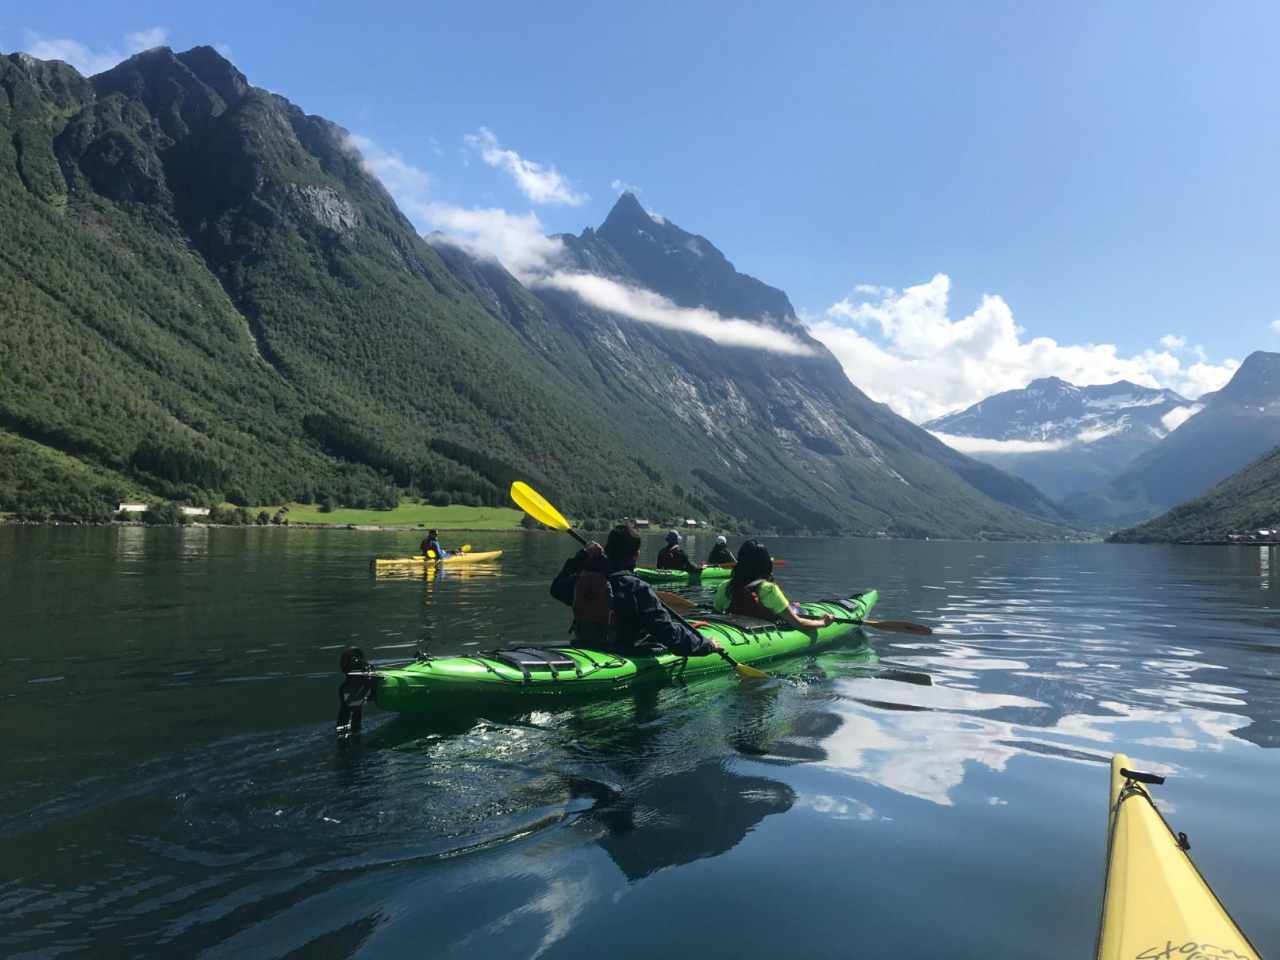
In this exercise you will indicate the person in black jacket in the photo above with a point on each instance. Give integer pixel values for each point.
(673, 557)
(721, 553)
(617, 611)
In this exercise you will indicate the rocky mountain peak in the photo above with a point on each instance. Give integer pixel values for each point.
(1256, 382)
(182, 91)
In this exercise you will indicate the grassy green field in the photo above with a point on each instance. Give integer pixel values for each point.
(408, 515)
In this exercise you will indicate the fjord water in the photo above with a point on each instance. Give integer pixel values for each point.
(172, 785)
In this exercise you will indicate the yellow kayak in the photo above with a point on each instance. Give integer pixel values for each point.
(380, 562)
(1156, 903)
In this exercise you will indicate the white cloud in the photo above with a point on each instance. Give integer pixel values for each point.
(1171, 342)
(621, 186)
(984, 445)
(146, 39)
(224, 49)
(645, 306)
(1176, 417)
(89, 61)
(1275, 325)
(902, 347)
(408, 184)
(540, 183)
(519, 242)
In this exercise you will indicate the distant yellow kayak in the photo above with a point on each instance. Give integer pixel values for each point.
(1156, 903)
(380, 562)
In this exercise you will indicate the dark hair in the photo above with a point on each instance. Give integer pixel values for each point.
(754, 563)
(433, 535)
(622, 545)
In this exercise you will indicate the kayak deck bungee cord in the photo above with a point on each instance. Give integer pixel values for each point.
(1155, 902)
(535, 673)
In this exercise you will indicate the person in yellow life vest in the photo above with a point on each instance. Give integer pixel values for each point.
(751, 592)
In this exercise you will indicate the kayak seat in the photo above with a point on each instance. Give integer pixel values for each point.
(528, 659)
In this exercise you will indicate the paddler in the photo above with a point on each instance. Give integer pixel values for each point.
(615, 610)
(751, 592)
(720, 553)
(431, 545)
(673, 557)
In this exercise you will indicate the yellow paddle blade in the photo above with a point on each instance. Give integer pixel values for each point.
(748, 672)
(531, 502)
(466, 548)
(431, 554)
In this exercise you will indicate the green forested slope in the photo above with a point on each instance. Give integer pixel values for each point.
(203, 295)
(214, 300)
(1245, 502)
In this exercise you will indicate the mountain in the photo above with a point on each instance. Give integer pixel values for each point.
(1244, 503)
(1239, 424)
(206, 295)
(743, 418)
(1066, 439)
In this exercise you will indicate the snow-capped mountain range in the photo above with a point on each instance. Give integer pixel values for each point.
(1064, 438)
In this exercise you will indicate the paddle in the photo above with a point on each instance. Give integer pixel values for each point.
(730, 564)
(536, 506)
(677, 602)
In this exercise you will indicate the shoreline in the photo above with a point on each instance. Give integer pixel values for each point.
(399, 528)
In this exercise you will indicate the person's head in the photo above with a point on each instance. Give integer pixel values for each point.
(754, 563)
(432, 535)
(721, 540)
(623, 547)
(672, 538)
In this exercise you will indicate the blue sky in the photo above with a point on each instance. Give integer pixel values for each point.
(1102, 173)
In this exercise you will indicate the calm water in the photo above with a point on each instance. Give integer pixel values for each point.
(172, 787)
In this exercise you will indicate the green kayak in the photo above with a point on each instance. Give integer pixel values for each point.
(650, 575)
(548, 673)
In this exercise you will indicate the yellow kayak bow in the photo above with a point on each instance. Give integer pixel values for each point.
(1156, 903)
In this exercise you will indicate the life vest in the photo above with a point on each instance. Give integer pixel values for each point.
(671, 558)
(594, 623)
(745, 601)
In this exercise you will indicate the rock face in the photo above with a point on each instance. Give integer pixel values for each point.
(1066, 440)
(207, 296)
(1239, 424)
(784, 439)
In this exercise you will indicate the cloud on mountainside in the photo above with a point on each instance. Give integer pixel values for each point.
(89, 61)
(646, 306)
(538, 182)
(985, 445)
(621, 186)
(903, 348)
(1176, 417)
(519, 242)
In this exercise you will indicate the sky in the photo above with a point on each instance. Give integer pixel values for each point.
(957, 197)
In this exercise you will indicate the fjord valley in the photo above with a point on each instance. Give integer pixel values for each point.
(209, 298)
(577, 480)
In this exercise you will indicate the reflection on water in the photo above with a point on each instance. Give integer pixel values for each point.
(172, 786)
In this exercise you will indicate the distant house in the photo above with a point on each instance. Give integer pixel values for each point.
(194, 511)
(641, 524)
(690, 523)
(132, 508)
